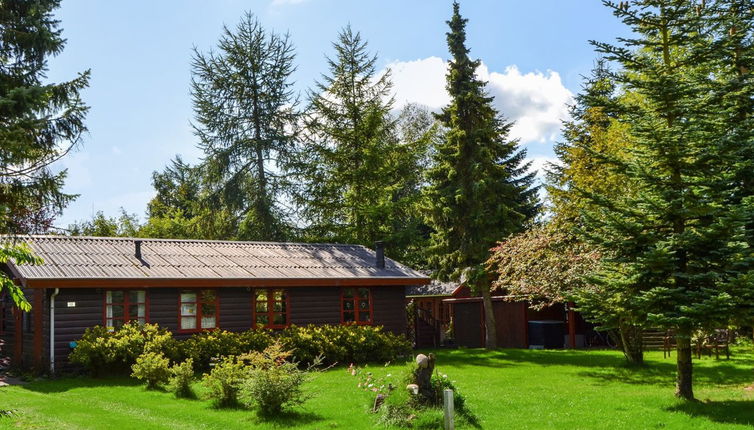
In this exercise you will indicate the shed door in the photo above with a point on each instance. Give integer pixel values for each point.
(467, 321)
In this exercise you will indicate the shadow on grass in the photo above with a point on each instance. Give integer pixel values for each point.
(510, 357)
(603, 365)
(729, 411)
(64, 384)
(663, 373)
(289, 419)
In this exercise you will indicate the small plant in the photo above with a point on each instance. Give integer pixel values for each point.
(152, 367)
(182, 375)
(224, 381)
(274, 381)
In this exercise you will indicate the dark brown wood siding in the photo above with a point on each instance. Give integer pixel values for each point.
(468, 324)
(315, 305)
(235, 308)
(70, 322)
(309, 305)
(389, 308)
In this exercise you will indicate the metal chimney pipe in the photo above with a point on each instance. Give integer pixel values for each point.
(379, 250)
(137, 253)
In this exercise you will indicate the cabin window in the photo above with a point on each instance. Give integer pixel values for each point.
(122, 306)
(356, 306)
(271, 308)
(198, 310)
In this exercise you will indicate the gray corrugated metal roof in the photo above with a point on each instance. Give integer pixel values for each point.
(435, 288)
(77, 257)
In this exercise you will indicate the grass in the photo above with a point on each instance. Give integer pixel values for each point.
(516, 389)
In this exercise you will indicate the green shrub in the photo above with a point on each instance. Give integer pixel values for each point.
(205, 347)
(182, 374)
(224, 381)
(273, 381)
(116, 351)
(344, 343)
(152, 367)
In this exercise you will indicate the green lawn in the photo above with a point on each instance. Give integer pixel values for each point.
(514, 389)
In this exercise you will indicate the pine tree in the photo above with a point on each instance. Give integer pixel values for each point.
(479, 190)
(245, 110)
(41, 123)
(359, 180)
(671, 250)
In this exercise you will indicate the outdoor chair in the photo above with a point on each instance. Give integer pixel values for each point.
(717, 341)
(668, 343)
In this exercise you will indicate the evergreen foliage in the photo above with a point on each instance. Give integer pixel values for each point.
(676, 251)
(245, 110)
(41, 123)
(360, 167)
(479, 189)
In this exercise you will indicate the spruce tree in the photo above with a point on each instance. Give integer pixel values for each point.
(41, 123)
(729, 25)
(593, 136)
(245, 110)
(479, 189)
(672, 249)
(359, 181)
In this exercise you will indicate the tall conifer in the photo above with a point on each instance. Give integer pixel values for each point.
(245, 109)
(479, 190)
(359, 176)
(672, 249)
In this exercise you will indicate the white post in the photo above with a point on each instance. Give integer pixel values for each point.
(448, 407)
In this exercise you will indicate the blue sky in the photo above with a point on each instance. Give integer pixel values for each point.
(139, 52)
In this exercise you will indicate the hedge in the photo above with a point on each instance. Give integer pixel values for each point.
(116, 351)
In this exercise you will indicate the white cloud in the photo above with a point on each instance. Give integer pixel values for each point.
(540, 163)
(536, 101)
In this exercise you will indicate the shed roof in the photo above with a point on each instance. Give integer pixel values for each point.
(77, 261)
(433, 289)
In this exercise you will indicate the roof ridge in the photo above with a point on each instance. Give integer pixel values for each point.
(208, 241)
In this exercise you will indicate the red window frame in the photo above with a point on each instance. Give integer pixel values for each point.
(357, 308)
(126, 303)
(270, 311)
(199, 310)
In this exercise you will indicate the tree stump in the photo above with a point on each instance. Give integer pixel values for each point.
(425, 366)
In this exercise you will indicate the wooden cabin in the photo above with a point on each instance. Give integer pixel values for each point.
(189, 286)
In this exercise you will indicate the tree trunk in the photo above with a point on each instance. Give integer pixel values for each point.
(632, 341)
(489, 319)
(683, 387)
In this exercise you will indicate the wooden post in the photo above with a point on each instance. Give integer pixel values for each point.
(448, 406)
(571, 326)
